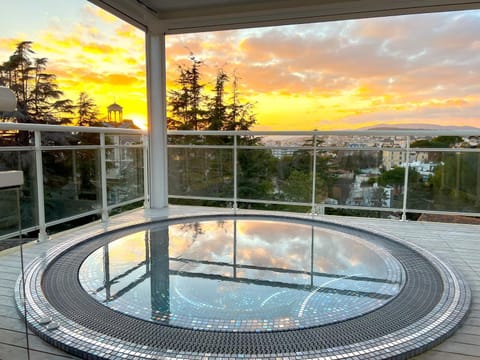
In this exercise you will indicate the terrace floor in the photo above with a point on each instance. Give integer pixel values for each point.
(458, 244)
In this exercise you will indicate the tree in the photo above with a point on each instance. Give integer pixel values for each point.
(255, 180)
(240, 115)
(456, 182)
(394, 177)
(419, 191)
(437, 142)
(87, 110)
(298, 168)
(186, 104)
(217, 110)
(297, 187)
(191, 109)
(39, 99)
(378, 197)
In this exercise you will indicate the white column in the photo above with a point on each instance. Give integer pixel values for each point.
(157, 120)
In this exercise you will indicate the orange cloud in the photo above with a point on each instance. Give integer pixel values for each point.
(120, 79)
(327, 76)
(95, 48)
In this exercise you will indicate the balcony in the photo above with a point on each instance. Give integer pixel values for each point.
(81, 183)
(93, 173)
(90, 172)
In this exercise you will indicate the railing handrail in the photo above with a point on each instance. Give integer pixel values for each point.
(94, 129)
(68, 128)
(393, 132)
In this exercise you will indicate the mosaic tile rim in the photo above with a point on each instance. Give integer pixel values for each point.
(419, 336)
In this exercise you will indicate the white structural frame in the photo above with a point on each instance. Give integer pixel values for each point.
(157, 21)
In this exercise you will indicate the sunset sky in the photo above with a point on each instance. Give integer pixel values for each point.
(334, 75)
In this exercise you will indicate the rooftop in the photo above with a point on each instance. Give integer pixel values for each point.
(101, 191)
(456, 243)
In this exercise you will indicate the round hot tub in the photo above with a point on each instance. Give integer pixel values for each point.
(242, 275)
(243, 286)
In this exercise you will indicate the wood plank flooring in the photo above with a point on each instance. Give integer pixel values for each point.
(458, 244)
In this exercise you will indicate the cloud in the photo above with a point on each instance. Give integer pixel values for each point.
(91, 11)
(120, 79)
(328, 74)
(349, 70)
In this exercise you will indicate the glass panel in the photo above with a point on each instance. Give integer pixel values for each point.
(9, 222)
(449, 181)
(124, 174)
(200, 172)
(359, 178)
(294, 174)
(266, 174)
(359, 142)
(71, 182)
(197, 202)
(277, 141)
(16, 138)
(25, 161)
(123, 139)
(437, 142)
(200, 140)
(63, 138)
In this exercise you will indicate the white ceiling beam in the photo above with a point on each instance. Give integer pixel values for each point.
(267, 13)
(226, 19)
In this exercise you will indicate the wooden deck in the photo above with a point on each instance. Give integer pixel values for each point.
(458, 244)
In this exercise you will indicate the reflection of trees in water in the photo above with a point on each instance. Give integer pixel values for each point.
(195, 229)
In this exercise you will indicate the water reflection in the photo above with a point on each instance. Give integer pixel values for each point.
(241, 275)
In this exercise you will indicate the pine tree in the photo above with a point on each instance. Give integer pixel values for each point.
(87, 110)
(187, 103)
(217, 110)
(39, 99)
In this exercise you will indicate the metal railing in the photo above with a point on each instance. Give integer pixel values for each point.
(71, 172)
(86, 171)
(328, 171)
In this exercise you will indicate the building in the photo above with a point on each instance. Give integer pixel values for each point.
(115, 112)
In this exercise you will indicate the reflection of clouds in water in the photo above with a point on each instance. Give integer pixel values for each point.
(341, 253)
(206, 241)
(273, 232)
(135, 243)
(274, 244)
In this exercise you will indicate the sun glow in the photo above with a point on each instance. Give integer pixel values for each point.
(325, 76)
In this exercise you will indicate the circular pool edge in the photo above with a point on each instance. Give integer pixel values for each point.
(84, 341)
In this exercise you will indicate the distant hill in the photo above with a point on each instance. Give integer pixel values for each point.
(418, 127)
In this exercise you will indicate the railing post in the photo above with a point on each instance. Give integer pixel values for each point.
(146, 202)
(405, 180)
(42, 234)
(235, 165)
(103, 177)
(314, 172)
